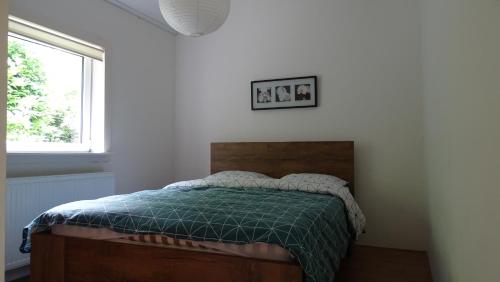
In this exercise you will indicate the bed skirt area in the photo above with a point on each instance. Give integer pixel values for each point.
(256, 250)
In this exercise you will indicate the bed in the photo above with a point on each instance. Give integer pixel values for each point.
(56, 257)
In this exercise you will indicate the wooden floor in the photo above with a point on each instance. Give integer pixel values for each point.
(370, 264)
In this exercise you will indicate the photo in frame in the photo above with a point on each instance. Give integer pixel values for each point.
(285, 93)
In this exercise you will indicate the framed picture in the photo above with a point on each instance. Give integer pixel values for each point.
(285, 93)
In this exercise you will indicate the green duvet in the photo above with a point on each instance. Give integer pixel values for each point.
(313, 227)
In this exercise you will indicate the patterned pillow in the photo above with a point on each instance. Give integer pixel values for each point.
(238, 174)
(236, 179)
(322, 179)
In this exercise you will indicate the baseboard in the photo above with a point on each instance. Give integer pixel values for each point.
(18, 273)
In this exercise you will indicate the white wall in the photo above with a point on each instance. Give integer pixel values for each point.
(367, 55)
(140, 66)
(462, 157)
(3, 94)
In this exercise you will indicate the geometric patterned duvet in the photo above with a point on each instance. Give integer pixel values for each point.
(313, 227)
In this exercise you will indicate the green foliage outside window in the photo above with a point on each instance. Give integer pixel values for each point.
(29, 115)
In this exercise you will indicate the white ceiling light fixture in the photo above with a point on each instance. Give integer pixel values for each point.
(195, 17)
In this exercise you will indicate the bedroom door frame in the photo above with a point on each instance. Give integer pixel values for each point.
(3, 111)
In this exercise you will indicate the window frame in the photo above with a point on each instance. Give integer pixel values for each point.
(89, 136)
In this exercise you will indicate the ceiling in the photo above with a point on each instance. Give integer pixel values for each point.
(147, 10)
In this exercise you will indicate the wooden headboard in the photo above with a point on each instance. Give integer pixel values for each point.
(278, 159)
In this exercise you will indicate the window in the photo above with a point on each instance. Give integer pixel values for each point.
(55, 100)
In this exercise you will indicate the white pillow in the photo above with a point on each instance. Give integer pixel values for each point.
(238, 174)
(315, 178)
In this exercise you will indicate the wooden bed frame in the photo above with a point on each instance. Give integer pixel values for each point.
(61, 258)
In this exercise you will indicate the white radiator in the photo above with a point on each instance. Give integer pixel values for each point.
(28, 197)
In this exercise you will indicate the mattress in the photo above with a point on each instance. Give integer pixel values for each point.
(255, 250)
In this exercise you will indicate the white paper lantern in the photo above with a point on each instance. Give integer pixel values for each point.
(195, 17)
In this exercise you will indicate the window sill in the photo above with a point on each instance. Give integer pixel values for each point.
(40, 158)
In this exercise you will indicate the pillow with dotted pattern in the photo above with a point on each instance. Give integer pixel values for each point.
(314, 178)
